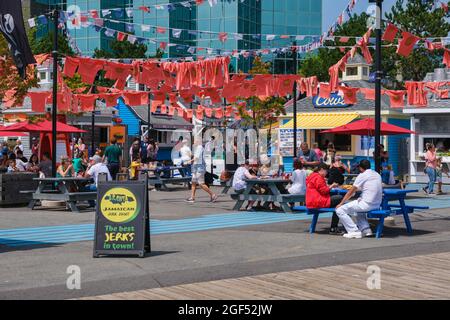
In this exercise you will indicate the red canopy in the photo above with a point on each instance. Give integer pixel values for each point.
(43, 126)
(11, 133)
(366, 127)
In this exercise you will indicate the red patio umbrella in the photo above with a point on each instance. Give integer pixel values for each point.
(366, 127)
(43, 126)
(11, 133)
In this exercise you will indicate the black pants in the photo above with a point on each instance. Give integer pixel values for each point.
(335, 200)
(114, 168)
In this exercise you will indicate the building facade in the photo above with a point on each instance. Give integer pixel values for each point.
(255, 19)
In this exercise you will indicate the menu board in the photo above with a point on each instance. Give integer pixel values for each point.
(286, 141)
(122, 224)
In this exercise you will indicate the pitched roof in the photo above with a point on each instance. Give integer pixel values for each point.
(159, 121)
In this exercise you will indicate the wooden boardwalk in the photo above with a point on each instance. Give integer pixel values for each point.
(417, 277)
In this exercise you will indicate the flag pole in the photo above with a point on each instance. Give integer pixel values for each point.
(294, 98)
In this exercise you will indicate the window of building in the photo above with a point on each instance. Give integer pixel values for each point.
(365, 71)
(342, 142)
(43, 76)
(442, 144)
(352, 71)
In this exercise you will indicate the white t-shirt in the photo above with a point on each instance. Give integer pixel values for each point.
(240, 175)
(298, 179)
(185, 153)
(370, 185)
(22, 166)
(99, 168)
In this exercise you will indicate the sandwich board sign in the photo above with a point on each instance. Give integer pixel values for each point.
(122, 222)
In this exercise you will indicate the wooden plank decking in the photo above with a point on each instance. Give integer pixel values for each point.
(416, 277)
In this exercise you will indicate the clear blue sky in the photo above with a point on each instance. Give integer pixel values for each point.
(332, 9)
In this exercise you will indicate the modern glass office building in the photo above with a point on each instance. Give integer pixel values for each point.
(253, 18)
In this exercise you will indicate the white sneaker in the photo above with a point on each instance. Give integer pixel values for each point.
(367, 232)
(353, 235)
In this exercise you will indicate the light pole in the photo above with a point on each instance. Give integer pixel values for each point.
(55, 89)
(378, 77)
(294, 98)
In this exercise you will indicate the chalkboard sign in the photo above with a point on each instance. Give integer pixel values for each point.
(122, 225)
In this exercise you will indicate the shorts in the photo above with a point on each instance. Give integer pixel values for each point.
(439, 179)
(198, 177)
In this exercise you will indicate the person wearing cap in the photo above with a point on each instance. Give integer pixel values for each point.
(96, 166)
(369, 184)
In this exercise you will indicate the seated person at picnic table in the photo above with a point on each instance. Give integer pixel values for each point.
(78, 163)
(165, 169)
(318, 194)
(370, 184)
(16, 165)
(33, 164)
(96, 166)
(239, 183)
(307, 156)
(45, 166)
(387, 176)
(19, 156)
(337, 170)
(298, 179)
(65, 169)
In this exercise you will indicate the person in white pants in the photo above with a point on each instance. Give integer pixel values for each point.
(370, 184)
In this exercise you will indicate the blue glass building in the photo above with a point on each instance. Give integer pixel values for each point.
(250, 18)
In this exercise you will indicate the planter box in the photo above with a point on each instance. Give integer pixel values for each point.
(12, 183)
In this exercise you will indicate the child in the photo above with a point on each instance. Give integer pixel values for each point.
(387, 176)
(440, 168)
(135, 165)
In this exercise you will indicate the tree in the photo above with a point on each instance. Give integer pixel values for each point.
(122, 50)
(10, 80)
(265, 111)
(318, 63)
(419, 18)
(45, 44)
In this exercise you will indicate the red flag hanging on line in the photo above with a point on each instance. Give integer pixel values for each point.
(349, 94)
(390, 33)
(406, 45)
(397, 98)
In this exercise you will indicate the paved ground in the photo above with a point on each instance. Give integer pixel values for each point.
(39, 270)
(399, 279)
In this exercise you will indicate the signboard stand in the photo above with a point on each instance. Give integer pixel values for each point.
(122, 223)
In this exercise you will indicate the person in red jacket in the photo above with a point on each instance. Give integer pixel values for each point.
(318, 194)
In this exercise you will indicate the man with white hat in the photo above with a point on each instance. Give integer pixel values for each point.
(96, 166)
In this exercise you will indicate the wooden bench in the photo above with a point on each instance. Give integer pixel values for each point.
(374, 214)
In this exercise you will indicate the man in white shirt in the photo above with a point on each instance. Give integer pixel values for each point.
(96, 167)
(186, 156)
(239, 183)
(370, 185)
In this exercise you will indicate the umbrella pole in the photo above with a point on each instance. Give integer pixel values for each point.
(55, 89)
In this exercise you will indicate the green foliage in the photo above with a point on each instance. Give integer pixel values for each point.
(122, 50)
(419, 18)
(265, 111)
(45, 44)
(317, 64)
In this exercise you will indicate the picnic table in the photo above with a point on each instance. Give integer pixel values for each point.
(278, 193)
(67, 189)
(394, 195)
(156, 179)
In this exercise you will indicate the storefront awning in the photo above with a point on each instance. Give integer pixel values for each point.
(321, 120)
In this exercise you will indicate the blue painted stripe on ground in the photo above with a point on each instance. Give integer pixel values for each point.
(85, 232)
